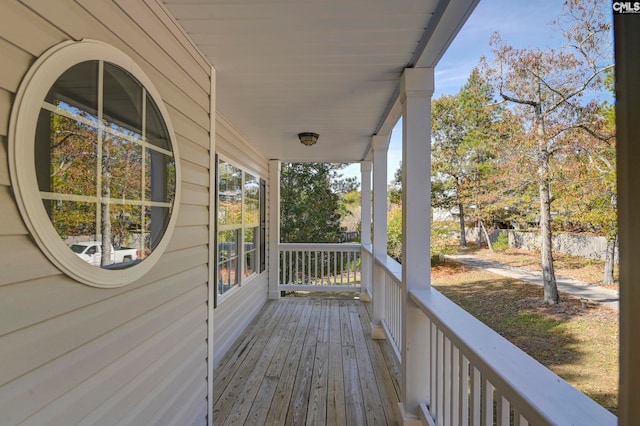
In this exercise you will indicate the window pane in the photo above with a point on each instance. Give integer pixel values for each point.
(250, 250)
(229, 194)
(122, 165)
(160, 177)
(78, 88)
(227, 260)
(156, 131)
(65, 154)
(251, 199)
(122, 99)
(72, 220)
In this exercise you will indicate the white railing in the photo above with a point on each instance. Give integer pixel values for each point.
(319, 267)
(391, 273)
(477, 377)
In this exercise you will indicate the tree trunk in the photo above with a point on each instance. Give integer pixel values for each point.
(551, 296)
(609, 261)
(105, 228)
(463, 237)
(486, 235)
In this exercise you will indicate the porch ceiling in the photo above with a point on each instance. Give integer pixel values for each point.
(327, 66)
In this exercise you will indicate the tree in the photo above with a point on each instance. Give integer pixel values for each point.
(394, 190)
(589, 201)
(351, 211)
(310, 201)
(549, 88)
(467, 129)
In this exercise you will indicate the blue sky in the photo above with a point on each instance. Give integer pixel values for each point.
(521, 23)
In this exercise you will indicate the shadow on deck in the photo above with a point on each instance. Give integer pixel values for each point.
(307, 361)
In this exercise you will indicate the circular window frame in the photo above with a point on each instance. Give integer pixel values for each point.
(21, 153)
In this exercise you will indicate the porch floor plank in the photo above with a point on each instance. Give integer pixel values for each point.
(306, 361)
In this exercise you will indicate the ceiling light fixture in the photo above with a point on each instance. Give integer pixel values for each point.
(308, 138)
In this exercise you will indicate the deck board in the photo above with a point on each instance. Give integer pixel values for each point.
(306, 361)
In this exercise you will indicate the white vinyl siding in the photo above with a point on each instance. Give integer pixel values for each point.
(72, 353)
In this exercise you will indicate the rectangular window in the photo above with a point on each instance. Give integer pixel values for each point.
(263, 225)
(240, 201)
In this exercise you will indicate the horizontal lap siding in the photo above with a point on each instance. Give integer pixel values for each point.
(73, 353)
(238, 308)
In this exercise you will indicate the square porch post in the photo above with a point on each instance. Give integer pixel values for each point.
(416, 89)
(366, 268)
(380, 145)
(627, 36)
(274, 228)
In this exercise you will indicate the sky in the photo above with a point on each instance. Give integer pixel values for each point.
(521, 23)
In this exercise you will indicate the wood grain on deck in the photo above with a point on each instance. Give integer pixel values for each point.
(307, 361)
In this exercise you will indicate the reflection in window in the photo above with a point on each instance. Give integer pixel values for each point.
(229, 194)
(227, 260)
(239, 199)
(104, 164)
(250, 250)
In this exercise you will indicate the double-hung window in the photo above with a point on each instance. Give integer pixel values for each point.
(239, 201)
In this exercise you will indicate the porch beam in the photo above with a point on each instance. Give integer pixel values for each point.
(366, 270)
(417, 86)
(380, 145)
(274, 228)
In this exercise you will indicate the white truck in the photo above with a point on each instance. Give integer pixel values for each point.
(91, 252)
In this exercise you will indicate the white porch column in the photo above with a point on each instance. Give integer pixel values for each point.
(416, 89)
(274, 228)
(366, 268)
(380, 145)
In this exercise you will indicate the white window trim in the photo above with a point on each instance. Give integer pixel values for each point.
(22, 127)
(242, 280)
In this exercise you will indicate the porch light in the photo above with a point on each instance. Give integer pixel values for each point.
(308, 138)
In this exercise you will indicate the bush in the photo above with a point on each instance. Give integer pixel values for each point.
(502, 242)
(443, 240)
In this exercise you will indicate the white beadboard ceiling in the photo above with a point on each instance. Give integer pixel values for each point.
(327, 66)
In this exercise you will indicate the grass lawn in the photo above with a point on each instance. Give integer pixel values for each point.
(577, 341)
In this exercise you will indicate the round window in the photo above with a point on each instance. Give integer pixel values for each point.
(94, 163)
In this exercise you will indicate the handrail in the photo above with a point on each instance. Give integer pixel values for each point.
(322, 246)
(392, 295)
(526, 392)
(390, 266)
(537, 393)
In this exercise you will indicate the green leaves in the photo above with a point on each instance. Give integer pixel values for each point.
(309, 202)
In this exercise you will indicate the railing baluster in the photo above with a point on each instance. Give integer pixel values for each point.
(316, 267)
(455, 386)
(434, 367)
(503, 410)
(475, 396)
(348, 268)
(487, 399)
(464, 391)
(441, 377)
(451, 381)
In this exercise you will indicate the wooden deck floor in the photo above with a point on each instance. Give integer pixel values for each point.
(307, 361)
